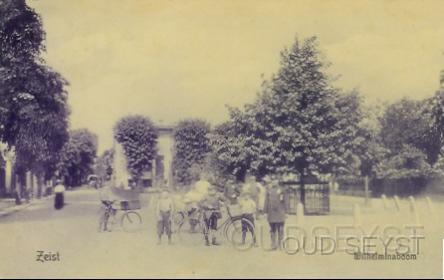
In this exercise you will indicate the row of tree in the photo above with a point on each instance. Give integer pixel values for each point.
(33, 104)
(301, 124)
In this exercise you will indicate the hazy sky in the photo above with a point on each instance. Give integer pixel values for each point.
(178, 59)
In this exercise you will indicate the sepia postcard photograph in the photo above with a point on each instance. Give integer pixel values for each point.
(221, 139)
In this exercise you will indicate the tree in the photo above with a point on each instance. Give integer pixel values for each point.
(434, 107)
(191, 147)
(299, 122)
(104, 165)
(229, 159)
(33, 106)
(413, 123)
(138, 137)
(78, 156)
(313, 125)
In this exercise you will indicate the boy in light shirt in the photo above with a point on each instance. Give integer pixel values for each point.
(248, 209)
(164, 210)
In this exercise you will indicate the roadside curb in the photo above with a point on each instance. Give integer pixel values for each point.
(10, 210)
(17, 208)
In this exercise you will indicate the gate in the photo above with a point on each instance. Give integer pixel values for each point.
(316, 200)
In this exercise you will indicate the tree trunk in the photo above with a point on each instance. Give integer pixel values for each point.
(24, 190)
(14, 187)
(18, 198)
(39, 185)
(19, 190)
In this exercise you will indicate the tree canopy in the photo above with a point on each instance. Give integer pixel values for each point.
(299, 122)
(191, 147)
(78, 157)
(33, 109)
(413, 123)
(104, 164)
(138, 137)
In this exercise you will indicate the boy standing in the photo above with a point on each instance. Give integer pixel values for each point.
(210, 205)
(164, 209)
(275, 208)
(248, 209)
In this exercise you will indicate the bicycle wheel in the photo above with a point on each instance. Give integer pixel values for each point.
(106, 220)
(177, 221)
(240, 233)
(190, 233)
(131, 221)
(103, 220)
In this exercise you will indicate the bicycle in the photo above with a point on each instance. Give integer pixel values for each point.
(187, 224)
(230, 228)
(129, 221)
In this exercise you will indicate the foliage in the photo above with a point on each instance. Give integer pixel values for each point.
(410, 162)
(33, 107)
(138, 137)
(298, 124)
(104, 164)
(434, 107)
(232, 147)
(21, 32)
(78, 155)
(410, 122)
(191, 147)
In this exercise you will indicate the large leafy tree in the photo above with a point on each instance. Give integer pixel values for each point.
(314, 125)
(33, 100)
(191, 147)
(299, 122)
(138, 137)
(78, 157)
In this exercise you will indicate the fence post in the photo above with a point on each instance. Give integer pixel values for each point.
(413, 210)
(300, 215)
(431, 209)
(397, 204)
(384, 201)
(357, 217)
(430, 205)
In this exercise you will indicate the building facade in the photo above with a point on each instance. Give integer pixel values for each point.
(160, 174)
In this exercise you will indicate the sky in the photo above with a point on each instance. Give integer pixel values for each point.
(172, 60)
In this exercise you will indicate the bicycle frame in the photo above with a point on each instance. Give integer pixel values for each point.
(228, 220)
(111, 212)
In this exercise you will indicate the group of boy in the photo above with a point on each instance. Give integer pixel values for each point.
(252, 199)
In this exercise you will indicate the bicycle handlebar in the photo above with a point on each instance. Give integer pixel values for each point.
(108, 203)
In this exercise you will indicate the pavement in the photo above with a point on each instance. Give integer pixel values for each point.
(6, 203)
(74, 247)
(8, 206)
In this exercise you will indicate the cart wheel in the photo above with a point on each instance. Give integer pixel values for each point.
(131, 221)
